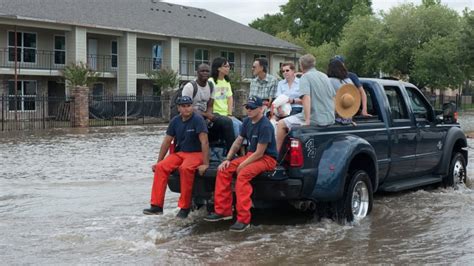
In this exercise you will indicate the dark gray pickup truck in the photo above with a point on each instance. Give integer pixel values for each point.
(405, 144)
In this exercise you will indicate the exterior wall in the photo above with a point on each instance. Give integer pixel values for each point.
(76, 46)
(110, 86)
(44, 37)
(104, 43)
(145, 56)
(127, 60)
(145, 87)
(40, 106)
(276, 61)
(174, 54)
(166, 53)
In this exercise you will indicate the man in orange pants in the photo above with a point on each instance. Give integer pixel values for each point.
(260, 134)
(189, 131)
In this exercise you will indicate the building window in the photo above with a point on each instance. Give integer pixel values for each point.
(26, 47)
(26, 95)
(59, 50)
(114, 54)
(230, 56)
(157, 56)
(98, 91)
(255, 56)
(201, 56)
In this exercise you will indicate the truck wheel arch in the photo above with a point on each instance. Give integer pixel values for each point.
(352, 152)
(455, 141)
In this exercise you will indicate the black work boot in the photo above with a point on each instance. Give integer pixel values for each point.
(214, 217)
(153, 210)
(183, 213)
(239, 227)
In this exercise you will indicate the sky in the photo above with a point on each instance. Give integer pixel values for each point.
(245, 11)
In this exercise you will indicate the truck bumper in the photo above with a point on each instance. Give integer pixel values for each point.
(267, 186)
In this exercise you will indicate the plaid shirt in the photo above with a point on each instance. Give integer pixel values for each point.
(264, 88)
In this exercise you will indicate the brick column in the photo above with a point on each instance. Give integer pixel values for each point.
(166, 96)
(80, 112)
(241, 95)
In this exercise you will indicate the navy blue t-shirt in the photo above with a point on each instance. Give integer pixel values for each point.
(262, 132)
(355, 79)
(186, 133)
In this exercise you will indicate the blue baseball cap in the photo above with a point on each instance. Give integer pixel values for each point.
(184, 100)
(339, 58)
(254, 102)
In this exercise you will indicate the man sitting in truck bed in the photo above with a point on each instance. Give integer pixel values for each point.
(317, 95)
(261, 157)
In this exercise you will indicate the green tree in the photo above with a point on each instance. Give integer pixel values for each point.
(79, 75)
(359, 42)
(437, 63)
(164, 78)
(271, 24)
(320, 20)
(466, 40)
(407, 28)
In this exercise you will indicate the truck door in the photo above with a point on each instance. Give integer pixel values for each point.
(430, 136)
(403, 133)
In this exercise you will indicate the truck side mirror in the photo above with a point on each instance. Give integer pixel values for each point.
(450, 114)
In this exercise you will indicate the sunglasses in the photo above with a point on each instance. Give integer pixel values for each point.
(286, 70)
(250, 108)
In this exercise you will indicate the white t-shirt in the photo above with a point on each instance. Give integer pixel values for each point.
(202, 96)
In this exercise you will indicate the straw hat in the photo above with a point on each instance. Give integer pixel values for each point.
(347, 101)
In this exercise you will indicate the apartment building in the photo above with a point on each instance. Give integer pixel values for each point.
(122, 40)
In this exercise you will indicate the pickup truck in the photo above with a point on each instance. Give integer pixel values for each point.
(404, 144)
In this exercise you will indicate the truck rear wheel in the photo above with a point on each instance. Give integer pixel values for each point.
(457, 171)
(357, 200)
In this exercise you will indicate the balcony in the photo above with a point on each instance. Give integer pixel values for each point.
(30, 59)
(146, 65)
(33, 59)
(102, 63)
(188, 68)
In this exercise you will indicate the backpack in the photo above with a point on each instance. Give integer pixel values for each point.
(174, 107)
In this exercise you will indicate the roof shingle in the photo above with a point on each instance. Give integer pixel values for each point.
(148, 16)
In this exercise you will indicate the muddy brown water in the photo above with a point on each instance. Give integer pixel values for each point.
(75, 197)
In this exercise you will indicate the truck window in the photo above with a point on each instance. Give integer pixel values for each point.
(419, 104)
(395, 100)
(372, 107)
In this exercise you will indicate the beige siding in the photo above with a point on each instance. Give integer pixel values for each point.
(76, 45)
(174, 53)
(104, 43)
(110, 86)
(166, 53)
(44, 37)
(127, 72)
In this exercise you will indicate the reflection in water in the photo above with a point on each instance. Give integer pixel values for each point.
(71, 196)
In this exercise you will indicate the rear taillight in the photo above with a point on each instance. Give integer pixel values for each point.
(172, 147)
(294, 157)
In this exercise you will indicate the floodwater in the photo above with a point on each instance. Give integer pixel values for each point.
(75, 197)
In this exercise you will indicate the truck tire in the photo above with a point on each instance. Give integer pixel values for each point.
(357, 200)
(457, 171)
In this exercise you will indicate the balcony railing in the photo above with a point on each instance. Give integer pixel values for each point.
(188, 68)
(51, 60)
(146, 64)
(30, 59)
(102, 63)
